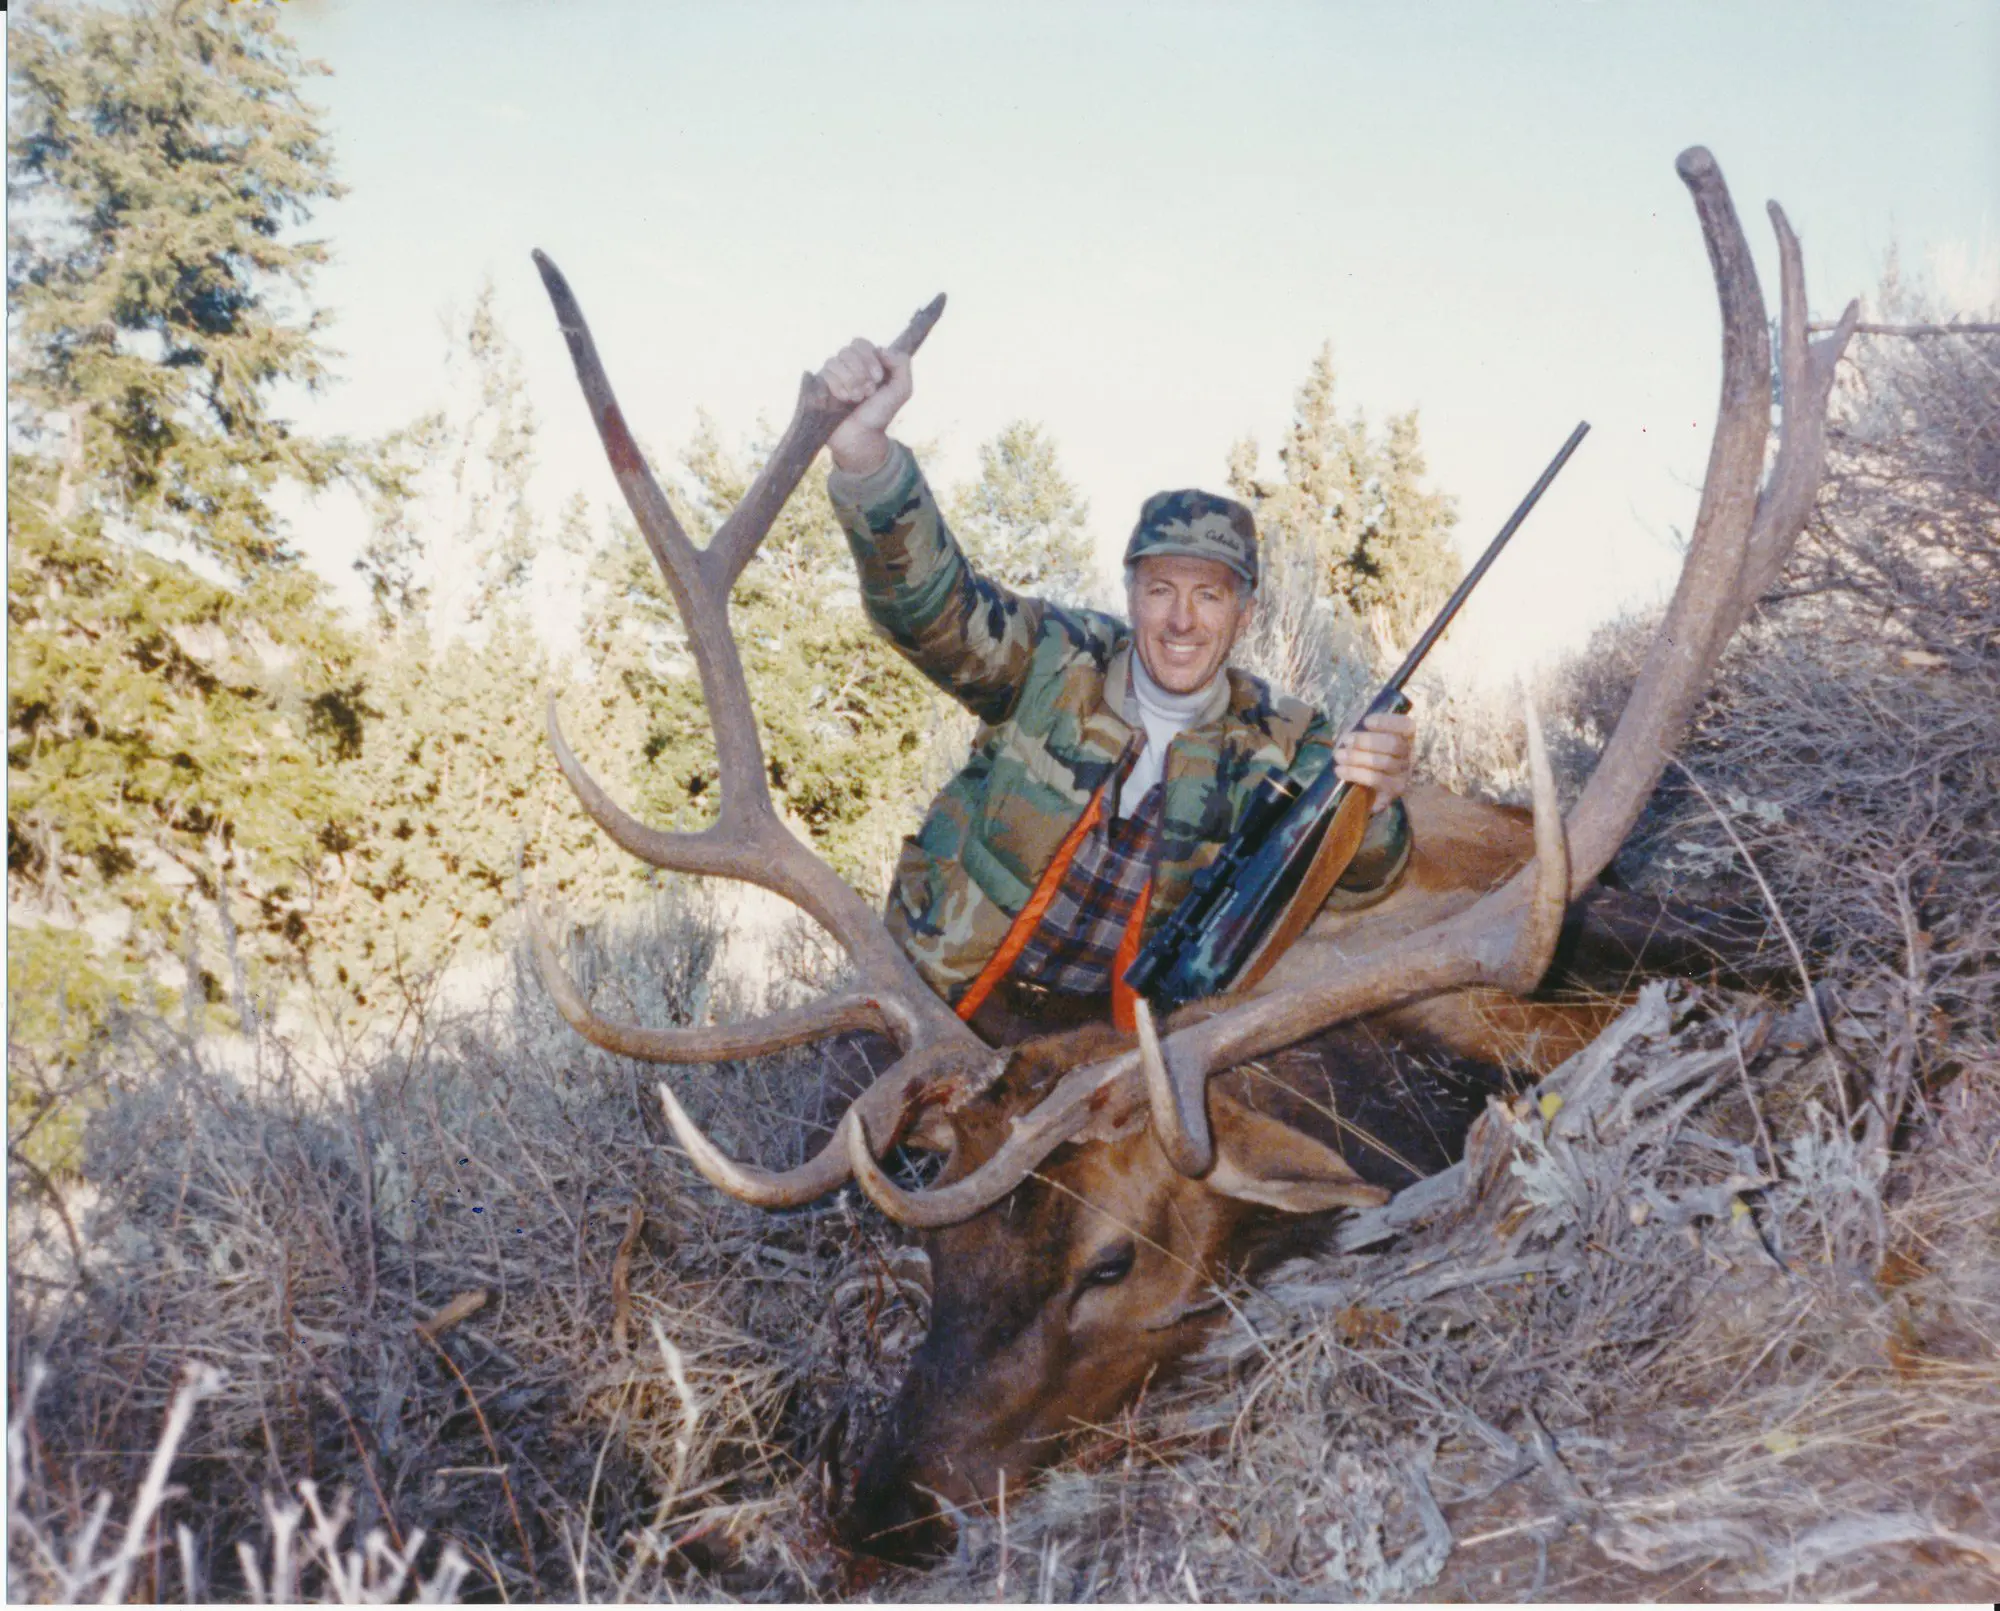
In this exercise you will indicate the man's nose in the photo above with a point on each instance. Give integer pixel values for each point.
(1181, 617)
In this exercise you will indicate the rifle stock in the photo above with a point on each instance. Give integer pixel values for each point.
(1337, 847)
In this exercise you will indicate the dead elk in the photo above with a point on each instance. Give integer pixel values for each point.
(1133, 1176)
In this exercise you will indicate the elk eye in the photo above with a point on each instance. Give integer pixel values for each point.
(1109, 1268)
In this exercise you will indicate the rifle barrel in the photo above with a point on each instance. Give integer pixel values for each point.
(1464, 589)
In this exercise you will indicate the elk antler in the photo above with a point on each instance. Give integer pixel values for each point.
(1740, 540)
(1505, 939)
(747, 841)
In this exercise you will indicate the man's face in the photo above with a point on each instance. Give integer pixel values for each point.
(1186, 616)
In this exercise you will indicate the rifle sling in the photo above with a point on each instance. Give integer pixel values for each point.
(1337, 848)
(1029, 918)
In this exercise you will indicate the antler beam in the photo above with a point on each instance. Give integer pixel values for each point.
(748, 841)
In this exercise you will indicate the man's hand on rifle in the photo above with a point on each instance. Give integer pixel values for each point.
(878, 382)
(1379, 755)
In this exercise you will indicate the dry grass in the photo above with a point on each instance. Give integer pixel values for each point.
(313, 1239)
(1575, 1361)
(1736, 1335)
(1617, 1355)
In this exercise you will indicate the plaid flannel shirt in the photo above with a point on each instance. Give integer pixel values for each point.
(1075, 946)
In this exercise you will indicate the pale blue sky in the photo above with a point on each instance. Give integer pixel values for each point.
(1148, 217)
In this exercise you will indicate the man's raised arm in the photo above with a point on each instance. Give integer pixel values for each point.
(970, 636)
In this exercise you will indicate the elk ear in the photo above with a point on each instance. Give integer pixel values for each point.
(1259, 1160)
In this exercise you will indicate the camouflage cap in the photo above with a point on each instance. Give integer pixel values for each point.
(1200, 525)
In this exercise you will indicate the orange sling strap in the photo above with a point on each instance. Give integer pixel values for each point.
(1123, 996)
(1030, 917)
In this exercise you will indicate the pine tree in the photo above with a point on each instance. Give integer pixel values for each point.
(1023, 522)
(455, 529)
(462, 793)
(458, 782)
(1356, 501)
(160, 162)
(179, 696)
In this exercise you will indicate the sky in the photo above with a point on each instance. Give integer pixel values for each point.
(1148, 218)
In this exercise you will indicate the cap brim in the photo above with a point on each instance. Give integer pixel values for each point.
(1174, 550)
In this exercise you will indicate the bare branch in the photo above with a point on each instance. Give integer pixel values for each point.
(1910, 329)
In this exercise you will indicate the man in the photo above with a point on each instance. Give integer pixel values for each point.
(1112, 760)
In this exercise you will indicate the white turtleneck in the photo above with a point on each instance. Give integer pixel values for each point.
(1162, 715)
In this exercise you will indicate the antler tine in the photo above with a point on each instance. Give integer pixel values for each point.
(762, 852)
(1172, 1075)
(1179, 1107)
(1737, 552)
(1077, 1098)
(879, 1116)
(1807, 370)
(826, 1172)
(1507, 938)
(708, 1043)
(747, 841)
(739, 753)
(813, 421)
(649, 504)
(1534, 943)
(1689, 640)
(884, 1109)
(703, 852)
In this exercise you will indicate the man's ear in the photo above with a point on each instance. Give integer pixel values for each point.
(1259, 1160)
(1246, 620)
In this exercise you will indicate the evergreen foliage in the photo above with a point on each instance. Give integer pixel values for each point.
(460, 785)
(1356, 500)
(1023, 521)
(455, 528)
(179, 695)
(170, 738)
(463, 795)
(217, 791)
(160, 161)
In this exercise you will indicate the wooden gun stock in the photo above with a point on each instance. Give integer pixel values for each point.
(1335, 855)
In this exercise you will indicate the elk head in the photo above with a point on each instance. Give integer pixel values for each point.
(1097, 1188)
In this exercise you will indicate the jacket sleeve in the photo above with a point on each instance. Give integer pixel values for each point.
(971, 636)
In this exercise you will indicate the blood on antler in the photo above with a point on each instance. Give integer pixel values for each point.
(1500, 939)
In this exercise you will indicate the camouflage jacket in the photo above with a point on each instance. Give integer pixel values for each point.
(1048, 684)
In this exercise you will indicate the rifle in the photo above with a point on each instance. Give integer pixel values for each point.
(1246, 907)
